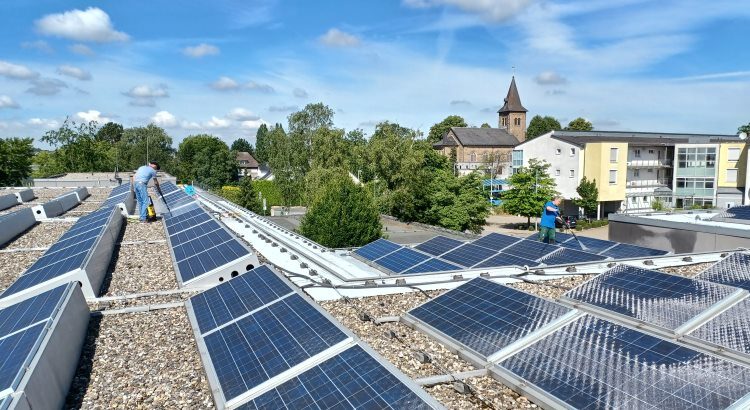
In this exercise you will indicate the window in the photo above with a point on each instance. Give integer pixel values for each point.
(650, 151)
(658, 154)
(503, 121)
(637, 153)
(636, 173)
(732, 175)
(650, 170)
(473, 157)
(557, 172)
(572, 173)
(572, 152)
(734, 154)
(517, 121)
(645, 199)
(613, 154)
(558, 151)
(613, 176)
(485, 158)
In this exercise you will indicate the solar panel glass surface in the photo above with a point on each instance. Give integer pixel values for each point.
(239, 296)
(433, 265)
(27, 312)
(496, 241)
(567, 256)
(592, 363)
(401, 260)
(468, 255)
(624, 251)
(16, 350)
(734, 270)
(485, 316)
(196, 265)
(560, 237)
(592, 245)
(257, 347)
(654, 297)
(730, 329)
(377, 249)
(503, 259)
(350, 380)
(533, 250)
(438, 245)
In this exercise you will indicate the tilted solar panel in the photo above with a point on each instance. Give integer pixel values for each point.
(503, 259)
(468, 255)
(566, 256)
(171, 220)
(734, 270)
(438, 245)
(485, 317)
(624, 250)
(196, 265)
(168, 188)
(401, 260)
(657, 298)
(736, 212)
(496, 241)
(730, 329)
(533, 250)
(377, 249)
(16, 352)
(433, 265)
(593, 363)
(30, 311)
(187, 221)
(351, 380)
(560, 237)
(591, 245)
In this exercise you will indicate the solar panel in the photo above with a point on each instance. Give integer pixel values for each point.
(566, 256)
(232, 299)
(468, 255)
(496, 241)
(734, 270)
(401, 260)
(168, 187)
(438, 245)
(624, 250)
(503, 259)
(30, 311)
(221, 254)
(592, 363)
(351, 380)
(16, 352)
(257, 347)
(433, 265)
(592, 245)
(533, 250)
(730, 329)
(377, 249)
(736, 212)
(560, 237)
(485, 317)
(656, 298)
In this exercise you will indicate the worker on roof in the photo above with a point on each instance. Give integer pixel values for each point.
(550, 212)
(190, 190)
(140, 183)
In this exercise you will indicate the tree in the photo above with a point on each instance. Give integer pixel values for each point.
(207, 160)
(289, 161)
(77, 149)
(744, 128)
(344, 214)
(241, 145)
(390, 149)
(248, 198)
(356, 153)
(579, 124)
(329, 148)
(531, 188)
(150, 141)
(541, 125)
(308, 120)
(485, 125)
(438, 130)
(457, 202)
(262, 144)
(588, 196)
(16, 156)
(111, 132)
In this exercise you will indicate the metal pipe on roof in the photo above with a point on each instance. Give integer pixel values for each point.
(137, 309)
(452, 377)
(148, 294)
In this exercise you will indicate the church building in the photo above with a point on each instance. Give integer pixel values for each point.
(488, 149)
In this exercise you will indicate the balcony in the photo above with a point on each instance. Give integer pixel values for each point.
(650, 163)
(650, 183)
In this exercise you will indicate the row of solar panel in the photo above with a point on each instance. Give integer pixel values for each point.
(575, 359)
(741, 212)
(257, 330)
(117, 195)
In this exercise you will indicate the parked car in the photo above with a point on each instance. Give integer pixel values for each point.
(570, 220)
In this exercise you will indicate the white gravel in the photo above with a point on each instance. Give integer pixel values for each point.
(12, 265)
(41, 235)
(688, 270)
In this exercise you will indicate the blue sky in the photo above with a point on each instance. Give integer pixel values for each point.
(225, 67)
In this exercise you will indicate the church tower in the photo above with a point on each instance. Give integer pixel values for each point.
(512, 114)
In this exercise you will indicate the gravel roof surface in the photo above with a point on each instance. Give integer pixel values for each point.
(14, 264)
(41, 235)
(136, 231)
(44, 194)
(140, 361)
(688, 270)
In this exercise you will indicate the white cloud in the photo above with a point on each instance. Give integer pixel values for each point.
(253, 124)
(201, 50)
(190, 125)
(283, 108)
(46, 86)
(455, 103)
(493, 10)
(300, 93)
(337, 38)
(225, 84)
(40, 45)
(550, 78)
(93, 115)
(241, 114)
(45, 122)
(164, 119)
(145, 96)
(81, 49)
(92, 24)
(74, 72)
(216, 122)
(7, 102)
(263, 88)
(16, 71)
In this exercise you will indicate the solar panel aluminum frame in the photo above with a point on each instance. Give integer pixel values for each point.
(93, 268)
(350, 341)
(15, 223)
(218, 274)
(47, 378)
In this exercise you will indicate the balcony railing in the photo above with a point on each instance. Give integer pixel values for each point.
(650, 163)
(649, 183)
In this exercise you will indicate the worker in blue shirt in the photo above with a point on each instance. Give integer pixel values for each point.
(550, 212)
(190, 190)
(140, 183)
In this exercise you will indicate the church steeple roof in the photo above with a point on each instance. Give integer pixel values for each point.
(512, 100)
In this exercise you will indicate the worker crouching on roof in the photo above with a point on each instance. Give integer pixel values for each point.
(550, 212)
(140, 184)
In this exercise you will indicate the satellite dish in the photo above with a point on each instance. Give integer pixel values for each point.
(743, 135)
